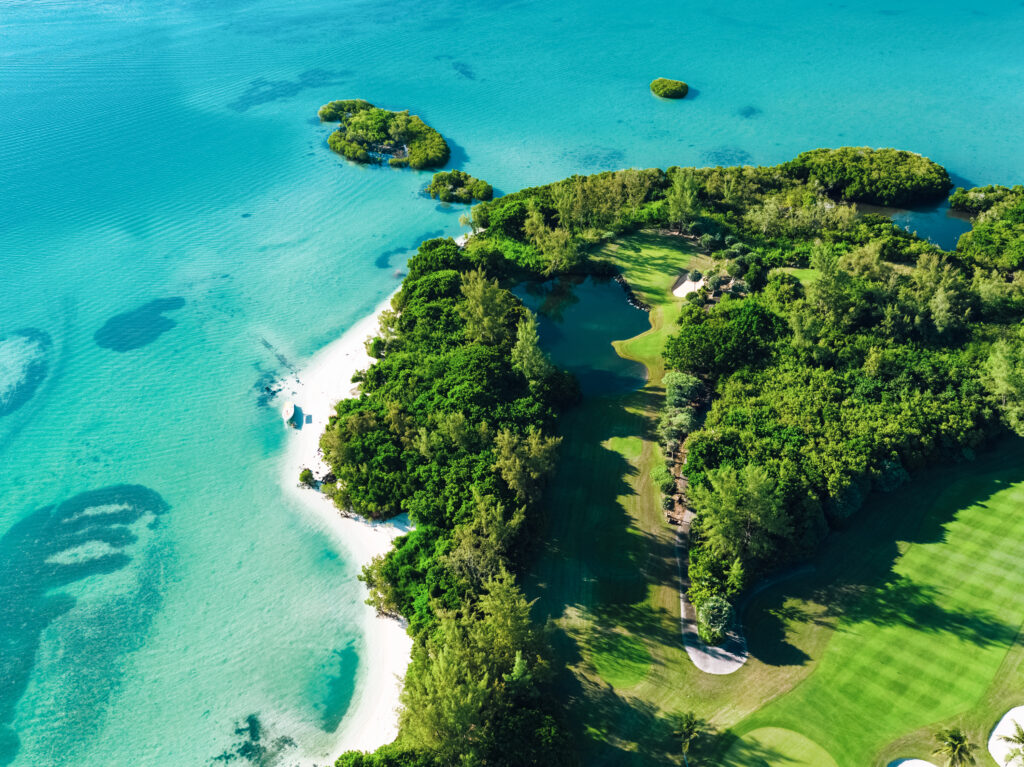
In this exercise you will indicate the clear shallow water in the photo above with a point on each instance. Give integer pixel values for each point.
(174, 234)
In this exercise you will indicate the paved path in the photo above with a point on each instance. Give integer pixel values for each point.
(722, 659)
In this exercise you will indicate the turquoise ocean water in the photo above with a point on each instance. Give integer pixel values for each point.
(174, 234)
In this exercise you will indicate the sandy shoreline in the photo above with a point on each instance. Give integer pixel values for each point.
(372, 720)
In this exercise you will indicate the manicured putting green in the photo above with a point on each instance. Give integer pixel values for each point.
(773, 746)
(620, 659)
(921, 639)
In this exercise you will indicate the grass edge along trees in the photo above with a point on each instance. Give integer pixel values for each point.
(771, 212)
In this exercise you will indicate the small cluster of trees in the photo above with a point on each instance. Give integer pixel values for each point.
(458, 186)
(680, 416)
(367, 134)
(996, 239)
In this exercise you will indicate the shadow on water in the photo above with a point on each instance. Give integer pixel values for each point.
(24, 363)
(855, 581)
(459, 155)
(384, 259)
(139, 327)
(263, 91)
(51, 548)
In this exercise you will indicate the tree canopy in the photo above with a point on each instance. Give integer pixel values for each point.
(368, 134)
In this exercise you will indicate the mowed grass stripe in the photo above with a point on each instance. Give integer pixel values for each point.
(925, 642)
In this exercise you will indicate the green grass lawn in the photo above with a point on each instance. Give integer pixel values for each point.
(925, 615)
(770, 746)
(651, 263)
(607, 574)
(909, 622)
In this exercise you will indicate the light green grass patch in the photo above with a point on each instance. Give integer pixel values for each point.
(628, 447)
(806, 276)
(773, 746)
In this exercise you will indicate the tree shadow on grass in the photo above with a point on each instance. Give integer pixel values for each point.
(620, 730)
(855, 581)
(595, 573)
(653, 254)
(747, 754)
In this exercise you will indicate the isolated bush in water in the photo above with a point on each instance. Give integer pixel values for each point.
(669, 89)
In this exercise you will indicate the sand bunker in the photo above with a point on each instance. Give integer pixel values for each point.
(996, 746)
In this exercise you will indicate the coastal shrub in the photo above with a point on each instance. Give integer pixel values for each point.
(391, 755)
(457, 186)
(368, 134)
(996, 241)
(306, 477)
(436, 255)
(982, 198)
(669, 89)
(877, 176)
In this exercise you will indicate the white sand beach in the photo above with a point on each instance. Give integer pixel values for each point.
(372, 720)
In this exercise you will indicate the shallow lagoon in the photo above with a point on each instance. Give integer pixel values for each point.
(158, 151)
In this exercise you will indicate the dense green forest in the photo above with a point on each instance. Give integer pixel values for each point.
(367, 134)
(789, 402)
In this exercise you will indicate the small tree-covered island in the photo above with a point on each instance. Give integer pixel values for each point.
(669, 89)
(747, 559)
(458, 186)
(368, 134)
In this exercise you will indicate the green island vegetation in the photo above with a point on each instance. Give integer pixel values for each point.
(669, 89)
(876, 176)
(833, 392)
(457, 186)
(368, 134)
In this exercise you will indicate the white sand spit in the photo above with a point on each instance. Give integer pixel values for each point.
(999, 749)
(372, 719)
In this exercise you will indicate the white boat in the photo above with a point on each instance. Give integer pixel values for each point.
(288, 413)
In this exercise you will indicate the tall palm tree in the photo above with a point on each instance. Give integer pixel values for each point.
(686, 727)
(954, 745)
(1016, 756)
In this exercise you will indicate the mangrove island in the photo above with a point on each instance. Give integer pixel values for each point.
(458, 186)
(368, 134)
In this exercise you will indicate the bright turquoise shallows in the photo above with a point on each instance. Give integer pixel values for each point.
(174, 235)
